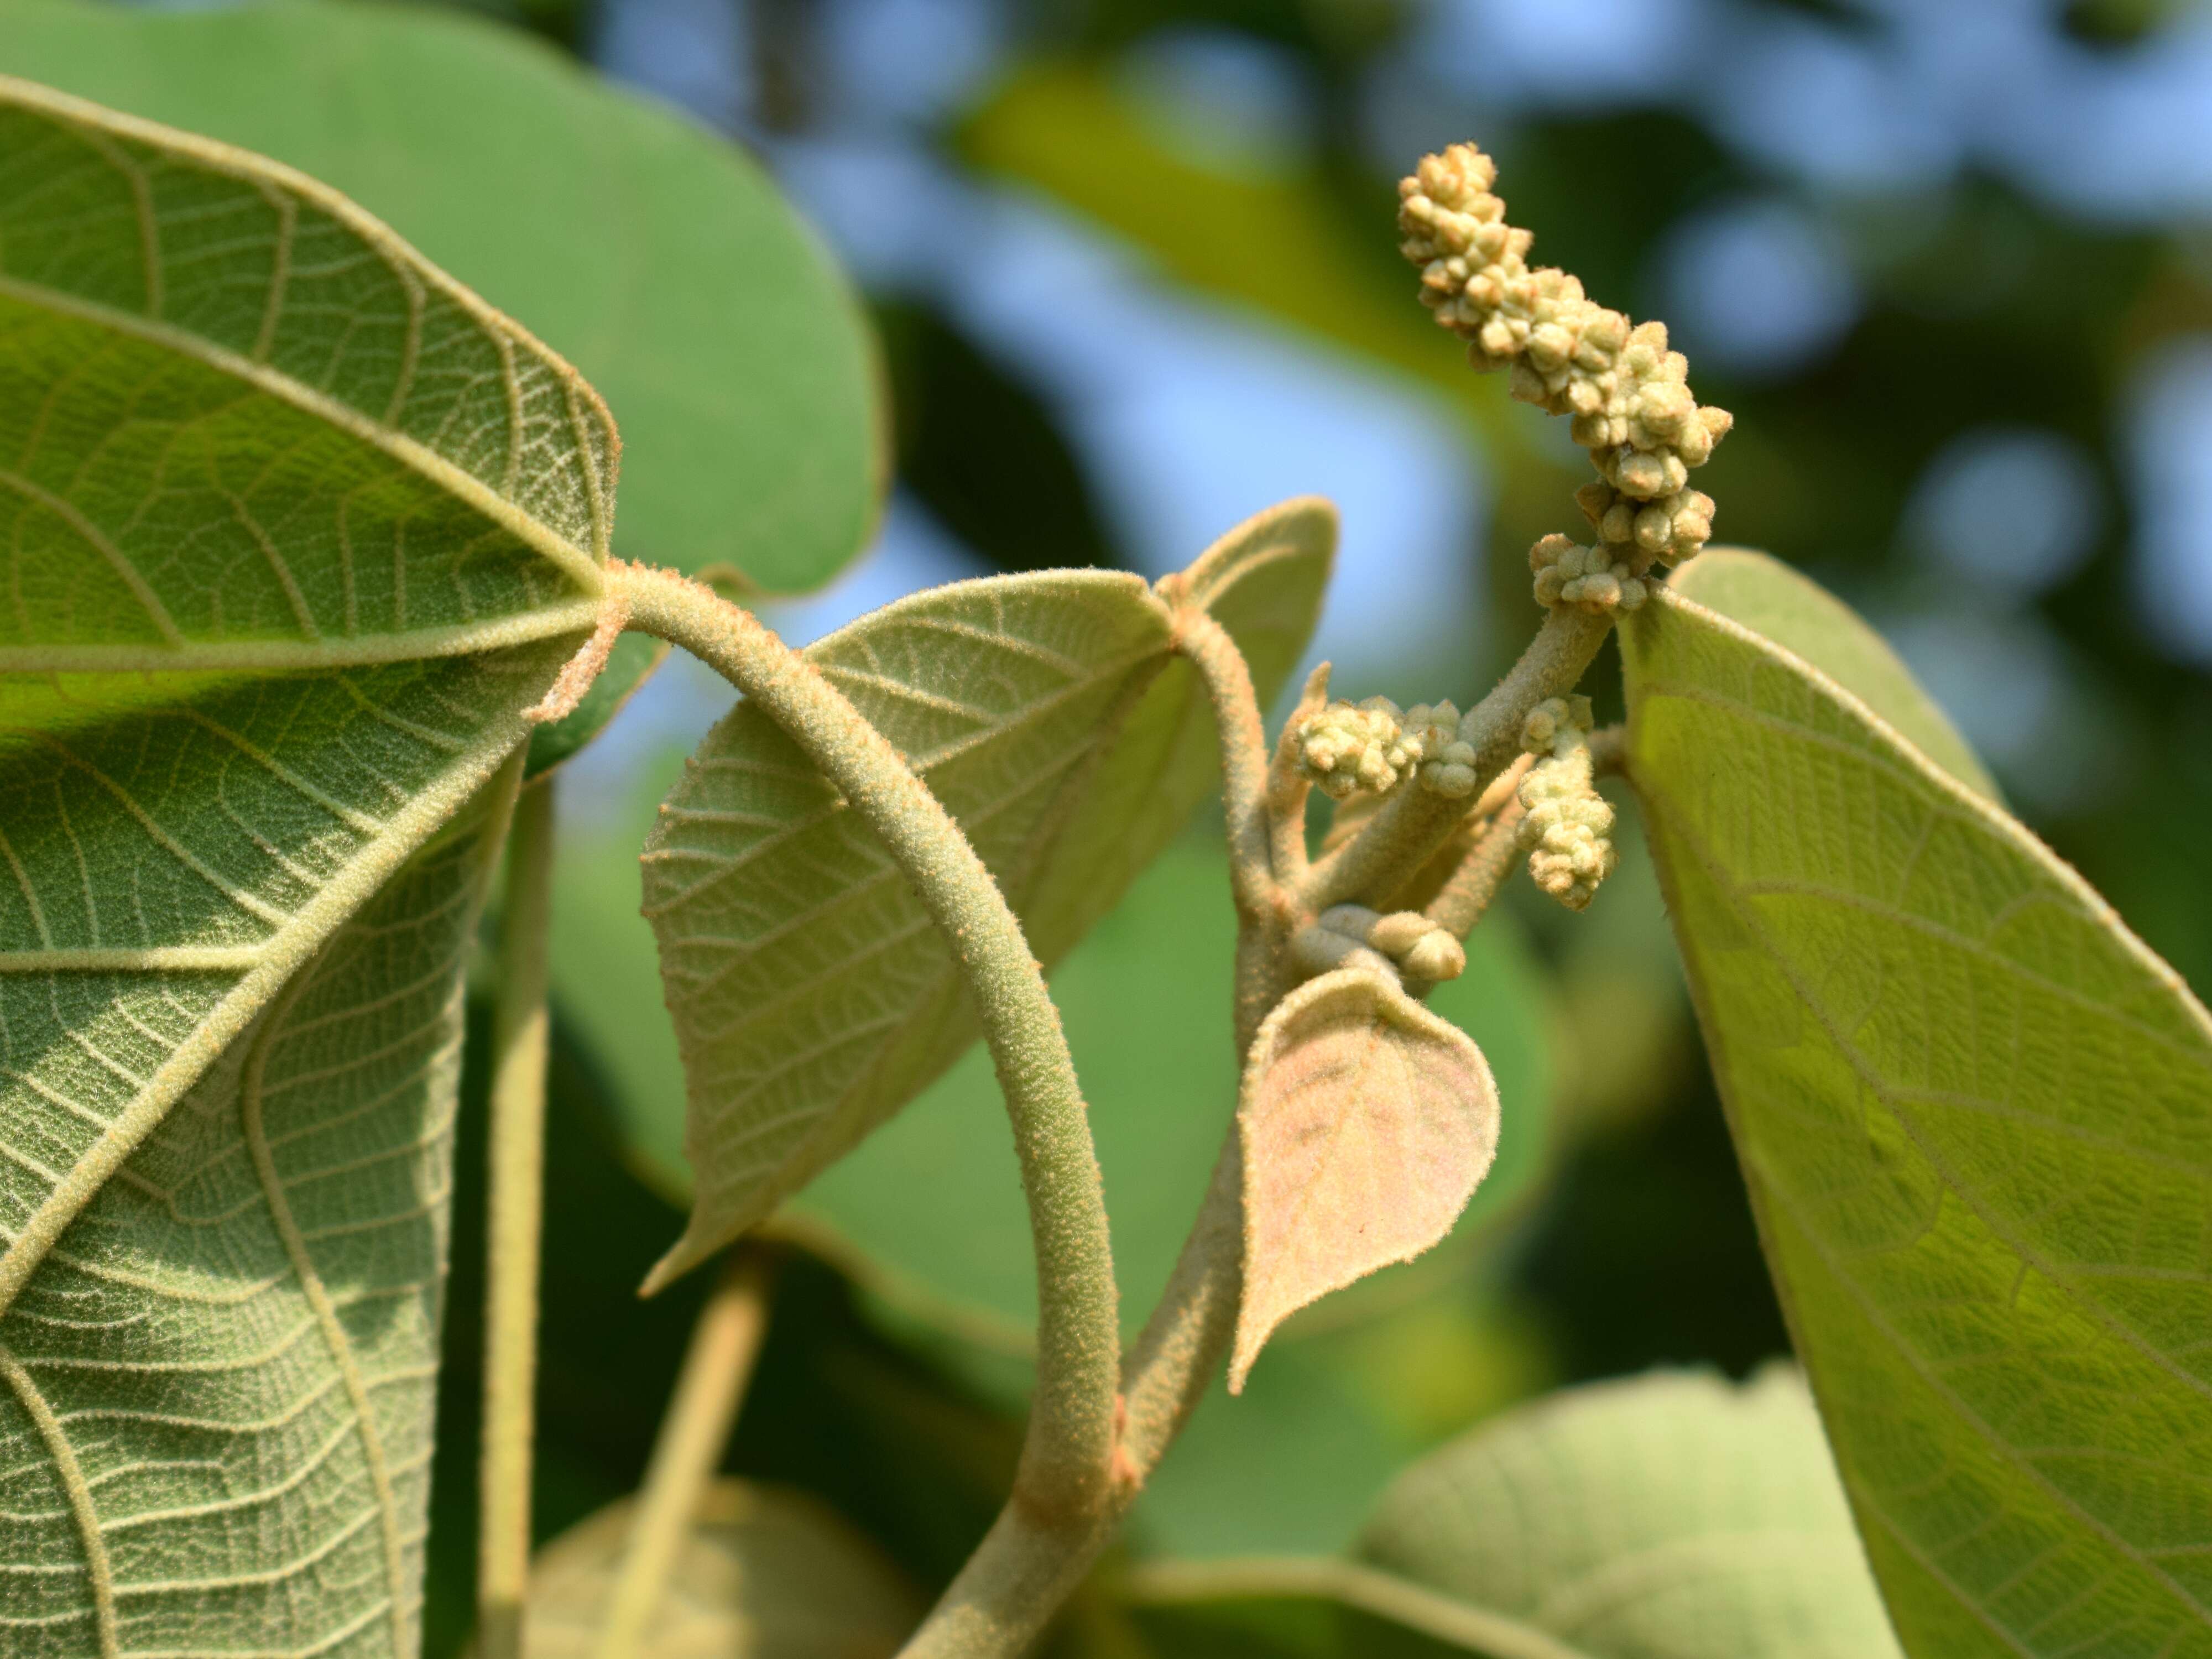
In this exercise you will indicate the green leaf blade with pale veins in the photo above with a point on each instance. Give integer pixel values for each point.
(293, 529)
(1975, 1114)
(812, 993)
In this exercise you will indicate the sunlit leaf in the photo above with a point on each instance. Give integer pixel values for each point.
(1976, 1117)
(1366, 1122)
(1672, 1516)
(812, 995)
(764, 1574)
(297, 528)
(656, 256)
(1803, 617)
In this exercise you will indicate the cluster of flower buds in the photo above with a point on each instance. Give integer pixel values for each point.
(1627, 393)
(1447, 756)
(1412, 950)
(1569, 829)
(1568, 573)
(1349, 747)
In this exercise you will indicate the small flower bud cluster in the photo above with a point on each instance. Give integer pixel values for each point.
(1627, 393)
(1347, 748)
(1569, 826)
(1568, 573)
(1447, 758)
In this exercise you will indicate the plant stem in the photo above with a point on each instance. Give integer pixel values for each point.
(1469, 889)
(515, 1204)
(1353, 1584)
(693, 1436)
(1067, 1478)
(1244, 740)
(1412, 823)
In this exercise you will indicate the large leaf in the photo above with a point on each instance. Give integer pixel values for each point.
(812, 995)
(1803, 617)
(1672, 1516)
(1976, 1117)
(763, 1574)
(295, 527)
(657, 257)
(218, 1385)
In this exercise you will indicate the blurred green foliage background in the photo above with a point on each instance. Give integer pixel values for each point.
(1132, 267)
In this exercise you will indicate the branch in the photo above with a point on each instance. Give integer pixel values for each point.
(1468, 892)
(1414, 822)
(693, 1434)
(515, 1202)
(1067, 1479)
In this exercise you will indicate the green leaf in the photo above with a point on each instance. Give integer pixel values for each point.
(658, 258)
(1366, 1122)
(1975, 1114)
(1672, 1516)
(1796, 613)
(766, 1573)
(297, 527)
(812, 995)
(218, 1387)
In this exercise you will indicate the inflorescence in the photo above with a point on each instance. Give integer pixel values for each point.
(1569, 829)
(1374, 746)
(1627, 393)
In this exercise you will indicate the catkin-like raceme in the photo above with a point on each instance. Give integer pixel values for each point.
(1626, 394)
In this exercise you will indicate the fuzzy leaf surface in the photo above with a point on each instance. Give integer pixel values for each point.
(764, 1574)
(294, 527)
(1803, 617)
(1366, 1122)
(1673, 1516)
(1975, 1114)
(812, 993)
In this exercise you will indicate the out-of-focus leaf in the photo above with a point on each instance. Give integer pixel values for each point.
(812, 995)
(1805, 619)
(1975, 1114)
(1366, 1122)
(656, 256)
(1067, 130)
(765, 1573)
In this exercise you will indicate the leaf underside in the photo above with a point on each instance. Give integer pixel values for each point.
(1365, 1124)
(764, 1574)
(1975, 1114)
(811, 991)
(1673, 1516)
(293, 529)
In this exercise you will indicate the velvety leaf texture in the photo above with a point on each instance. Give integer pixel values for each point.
(765, 1574)
(1674, 1516)
(1365, 1122)
(1975, 1114)
(294, 528)
(812, 993)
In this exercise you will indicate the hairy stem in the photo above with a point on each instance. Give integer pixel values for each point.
(1243, 738)
(1469, 889)
(1288, 788)
(516, 1203)
(1067, 1479)
(1413, 822)
(1353, 1584)
(693, 1436)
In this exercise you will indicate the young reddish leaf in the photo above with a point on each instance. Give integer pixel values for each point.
(1366, 1123)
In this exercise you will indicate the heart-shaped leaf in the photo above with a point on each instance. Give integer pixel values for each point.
(1366, 1122)
(765, 1573)
(297, 528)
(1975, 1114)
(812, 993)
(1673, 1515)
